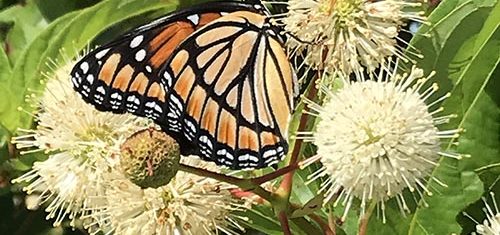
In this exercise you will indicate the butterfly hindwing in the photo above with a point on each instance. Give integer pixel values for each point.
(230, 92)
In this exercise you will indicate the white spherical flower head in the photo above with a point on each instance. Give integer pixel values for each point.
(188, 204)
(490, 225)
(81, 144)
(376, 138)
(348, 35)
(67, 123)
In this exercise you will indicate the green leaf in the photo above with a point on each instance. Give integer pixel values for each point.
(19, 165)
(70, 31)
(52, 9)
(5, 74)
(481, 138)
(27, 22)
(462, 46)
(310, 207)
(469, 60)
(463, 189)
(261, 219)
(476, 210)
(452, 24)
(4, 145)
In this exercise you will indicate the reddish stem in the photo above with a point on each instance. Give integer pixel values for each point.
(286, 184)
(326, 228)
(331, 221)
(363, 226)
(275, 174)
(214, 175)
(284, 223)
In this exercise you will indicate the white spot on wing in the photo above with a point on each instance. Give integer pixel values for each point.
(90, 78)
(140, 55)
(101, 54)
(176, 101)
(136, 41)
(168, 77)
(243, 157)
(75, 83)
(116, 96)
(253, 158)
(194, 18)
(101, 90)
(158, 108)
(269, 153)
(85, 67)
(149, 69)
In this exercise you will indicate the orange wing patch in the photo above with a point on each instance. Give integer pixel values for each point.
(179, 61)
(216, 67)
(109, 68)
(209, 118)
(196, 102)
(167, 41)
(247, 103)
(185, 82)
(277, 96)
(232, 97)
(140, 83)
(260, 90)
(207, 18)
(267, 139)
(157, 91)
(216, 34)
(247, 139)
(123, 78)
(283, 64)
(227, 129)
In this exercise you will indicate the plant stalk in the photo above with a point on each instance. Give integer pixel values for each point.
(363, 224)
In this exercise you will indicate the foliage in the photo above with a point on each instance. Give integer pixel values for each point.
(462, 45)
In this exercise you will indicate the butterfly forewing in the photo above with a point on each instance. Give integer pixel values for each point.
(230, 92)
(122, 76)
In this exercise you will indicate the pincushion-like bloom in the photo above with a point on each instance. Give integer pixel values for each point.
(490, 225)
(188, 204)
(84, 177)
(376, 138)
(81, 144)
(348, 35)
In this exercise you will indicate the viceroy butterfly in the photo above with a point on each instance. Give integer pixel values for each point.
(215, 77)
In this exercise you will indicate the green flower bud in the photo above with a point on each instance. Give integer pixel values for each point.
(150, 158)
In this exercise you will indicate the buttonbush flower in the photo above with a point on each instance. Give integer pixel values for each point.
(376, 138)
(490, 225)
(349, 35)
(188, 204)
(81, 144)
